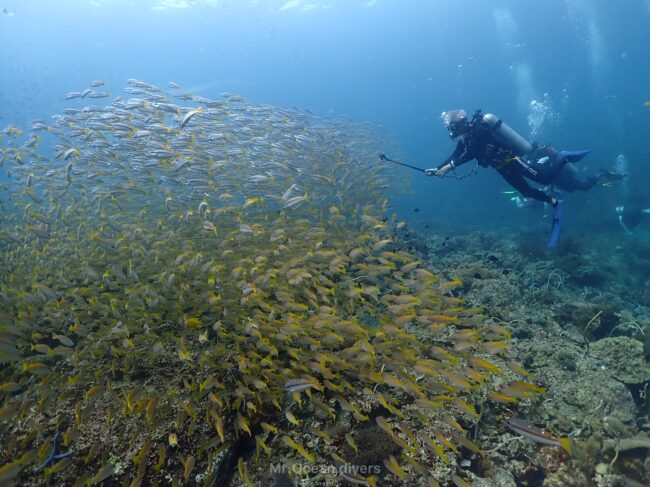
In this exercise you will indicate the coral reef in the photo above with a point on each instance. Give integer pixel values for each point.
(579, 328)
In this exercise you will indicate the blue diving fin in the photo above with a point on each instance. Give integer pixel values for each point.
(558, 216)
(573, 155)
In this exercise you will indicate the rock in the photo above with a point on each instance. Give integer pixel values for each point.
(566, 360)
(499, 477)
(614, 427)
(627, 444)
(623, 358)
(602, 469)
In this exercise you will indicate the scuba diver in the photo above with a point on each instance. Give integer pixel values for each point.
(630, 218)
(492, 143)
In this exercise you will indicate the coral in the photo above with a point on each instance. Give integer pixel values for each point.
(530, 246)
(566, 359)
(644, 297)
(475, 272)
(276, 479)
(581, 316)
(497, 477)
(374, 445)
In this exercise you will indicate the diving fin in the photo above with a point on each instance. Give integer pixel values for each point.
(573, 155)
(558, 217)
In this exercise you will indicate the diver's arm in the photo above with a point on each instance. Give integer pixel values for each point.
(457, 152)
(480, 135)
(457, 158)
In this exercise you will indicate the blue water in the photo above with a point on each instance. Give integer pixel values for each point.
(393, 63)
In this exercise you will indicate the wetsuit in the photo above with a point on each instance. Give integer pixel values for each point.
(481, 144)
(569, 180)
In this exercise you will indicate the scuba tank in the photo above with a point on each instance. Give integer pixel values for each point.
(506, 136)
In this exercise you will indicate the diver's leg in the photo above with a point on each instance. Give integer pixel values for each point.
(546, 171)
(568, 179)
(573, 155)
(547, 168)
(585, 184)
(515, 177)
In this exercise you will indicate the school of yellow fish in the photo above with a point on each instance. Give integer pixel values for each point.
(188, 293)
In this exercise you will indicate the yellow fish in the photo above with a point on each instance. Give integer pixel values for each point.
(299, 448)
(292, 419)
(391, 464)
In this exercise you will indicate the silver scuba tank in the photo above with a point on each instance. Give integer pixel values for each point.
(507, 136)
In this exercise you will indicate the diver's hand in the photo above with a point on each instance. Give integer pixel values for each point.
(430, 172)
(440, 172)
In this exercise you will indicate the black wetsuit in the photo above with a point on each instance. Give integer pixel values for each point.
(569, 180)
(481, 144)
